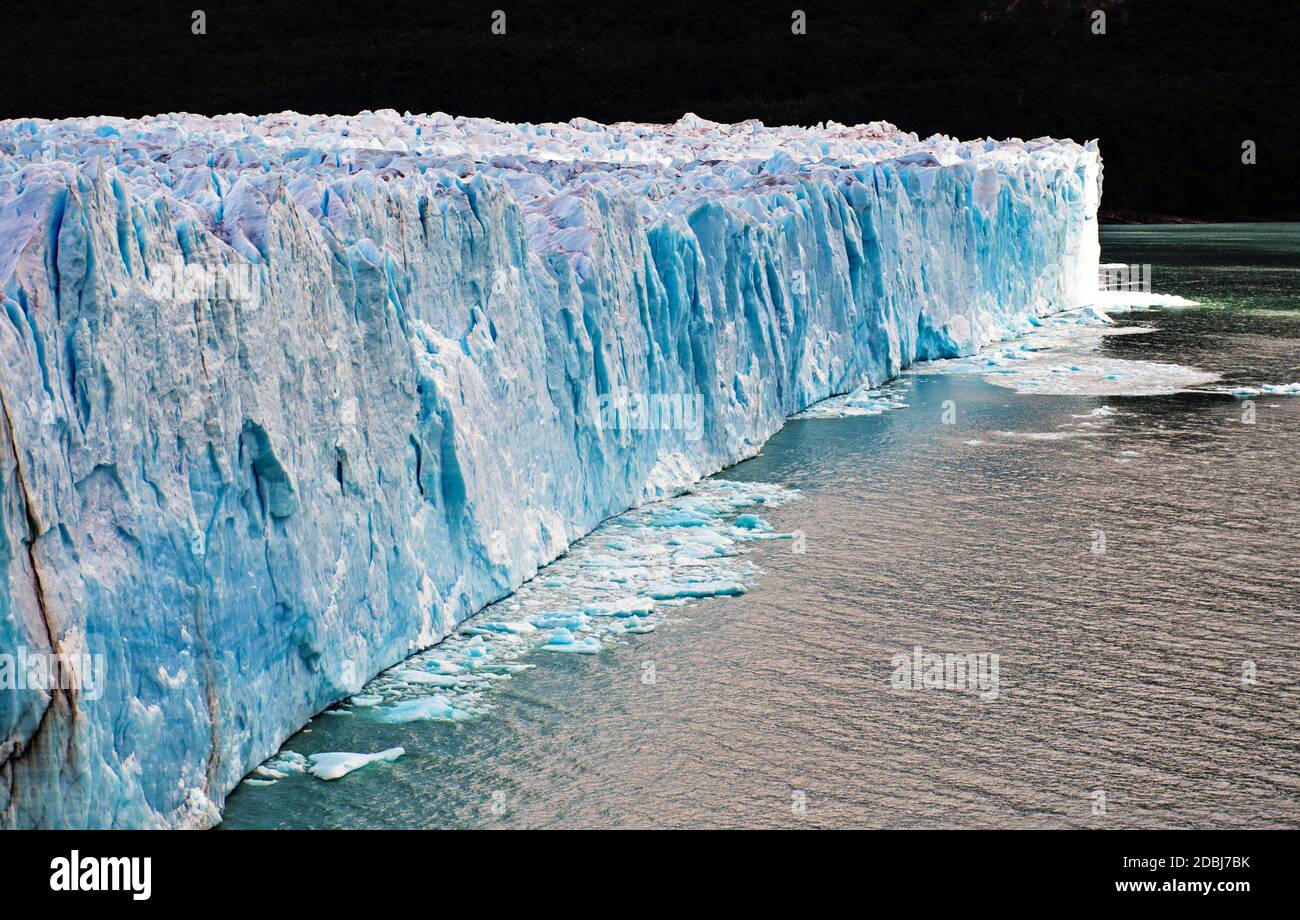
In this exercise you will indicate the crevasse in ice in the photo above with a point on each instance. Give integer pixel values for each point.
(286, 398)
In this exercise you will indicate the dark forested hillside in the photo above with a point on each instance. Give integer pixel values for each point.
(1172, 89)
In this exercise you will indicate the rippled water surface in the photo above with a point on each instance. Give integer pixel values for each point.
(1128, 565)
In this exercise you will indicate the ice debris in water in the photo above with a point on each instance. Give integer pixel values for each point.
(563, 640)
(1129, 301)
(1058, 358)
(1095, 376)
(1271, 389)
(338, 764)
(865, 400)
(617, 581)
(329, 765)
(423, 708)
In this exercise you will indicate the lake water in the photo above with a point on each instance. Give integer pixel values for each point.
(1130, 560)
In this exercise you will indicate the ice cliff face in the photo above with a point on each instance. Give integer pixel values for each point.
(286, 398)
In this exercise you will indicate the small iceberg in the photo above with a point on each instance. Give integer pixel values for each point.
(435, 708)
(624, 607)
(338, 764)
(696, 589)
(1272, 389)
(562, 640)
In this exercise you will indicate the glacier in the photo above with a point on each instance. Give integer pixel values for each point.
(286, 398)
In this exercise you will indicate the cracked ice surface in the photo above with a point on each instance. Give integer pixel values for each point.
(287, 398)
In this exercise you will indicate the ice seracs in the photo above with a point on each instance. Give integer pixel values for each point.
(286, 398)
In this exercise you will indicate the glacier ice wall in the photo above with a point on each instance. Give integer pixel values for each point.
(285, 398)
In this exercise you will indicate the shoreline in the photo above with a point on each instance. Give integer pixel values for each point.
(1125, 218)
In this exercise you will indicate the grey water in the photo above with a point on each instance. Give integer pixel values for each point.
(1138, 583)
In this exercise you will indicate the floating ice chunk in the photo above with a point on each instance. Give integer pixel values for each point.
(336, 765)
(679, 519)
(702, 537)
(1066, 435)
(700, 551)
(712, 588)
(752, 522)
(1092, 316)
(442, 666)
(1098, 376)
(624, 607)
(436, 708)
(863, 401)
(1125, 301)
(1272, 389)
(283, 763)
(429, 678)
(476, 653)
(562, 640)
(514, 627)
(420, 676)
(569, 621)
